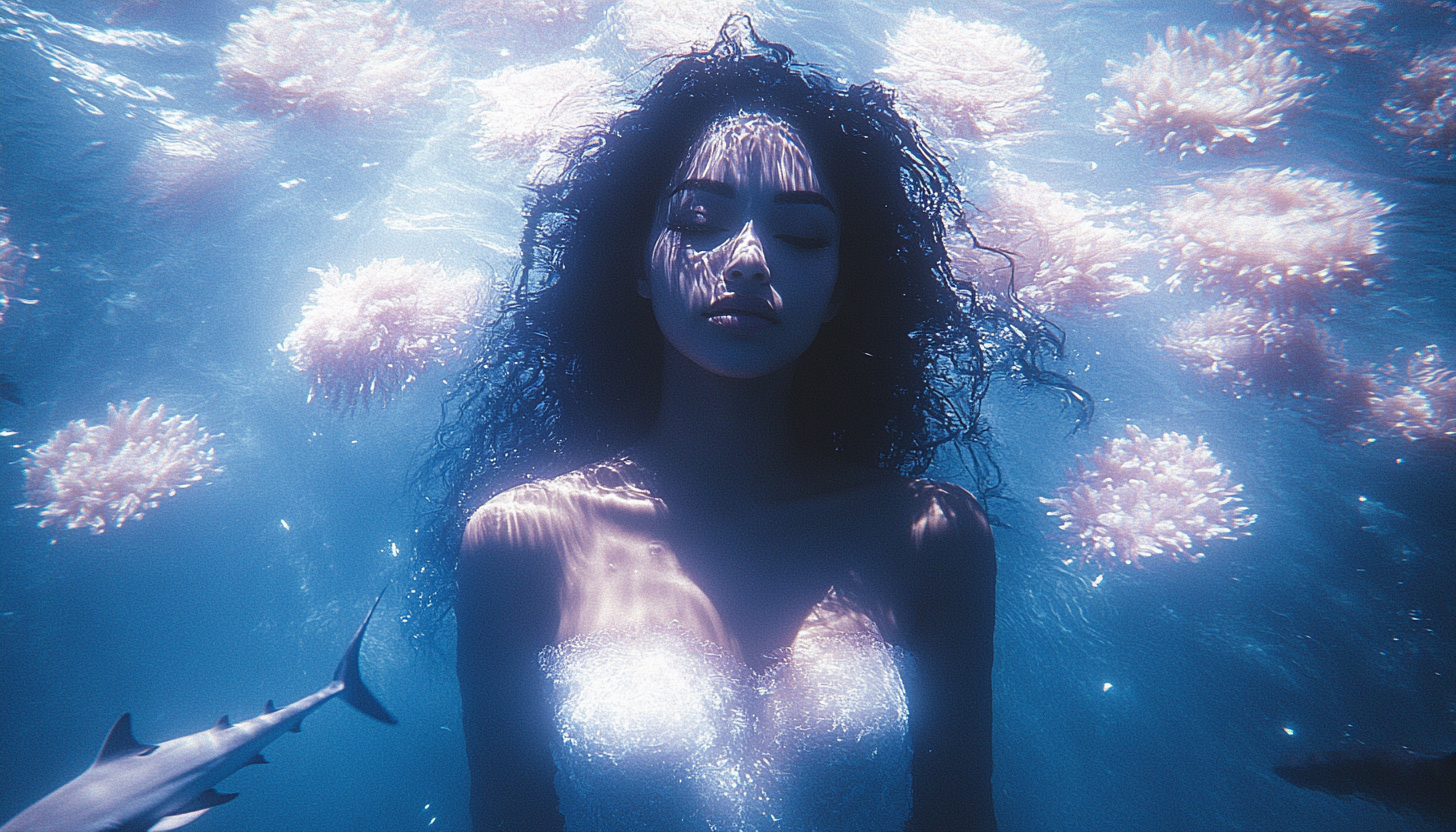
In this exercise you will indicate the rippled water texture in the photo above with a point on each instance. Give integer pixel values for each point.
(243, 247)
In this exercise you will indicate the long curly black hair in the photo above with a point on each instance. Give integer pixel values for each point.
(571, 372)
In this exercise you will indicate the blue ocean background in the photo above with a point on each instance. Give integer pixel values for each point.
(1154, 699)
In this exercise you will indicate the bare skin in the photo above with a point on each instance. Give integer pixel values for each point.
(713, 523)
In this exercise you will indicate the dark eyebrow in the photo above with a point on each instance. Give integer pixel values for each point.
(712, 186)
(803, 198)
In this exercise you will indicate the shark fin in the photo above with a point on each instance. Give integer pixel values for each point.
(268, 707)
(120, 743)
(348, 672)
(222, 723)
(296, 728)
(256, 761)
(192, 811)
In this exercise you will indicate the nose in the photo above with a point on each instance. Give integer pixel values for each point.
(746, 261)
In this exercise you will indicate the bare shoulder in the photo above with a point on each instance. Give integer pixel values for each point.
(947, 513)
(513, 519)
(534, 516)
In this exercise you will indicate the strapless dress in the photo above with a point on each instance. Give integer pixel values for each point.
(663, 731)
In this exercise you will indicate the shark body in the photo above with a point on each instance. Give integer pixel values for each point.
(153, 788)
(1402, 781)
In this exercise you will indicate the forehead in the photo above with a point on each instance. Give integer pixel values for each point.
(752, 150)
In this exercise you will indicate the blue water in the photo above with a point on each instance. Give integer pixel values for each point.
(1157, 699)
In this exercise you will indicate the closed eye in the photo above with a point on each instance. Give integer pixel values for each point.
(803, 242)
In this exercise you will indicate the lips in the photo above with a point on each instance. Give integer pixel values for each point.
(742, 306)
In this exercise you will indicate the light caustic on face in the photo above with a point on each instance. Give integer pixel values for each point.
(744, 252)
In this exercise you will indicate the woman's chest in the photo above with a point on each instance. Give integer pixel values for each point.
(746, 578)
(662, 730)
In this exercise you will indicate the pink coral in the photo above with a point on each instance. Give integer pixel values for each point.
(1143, 497)
(1238, 346)
(1195, 93)
(325, 58)
(1332, 26)
(649, 28)
(1274, 237)
(1417, 401)
(104, 475)
(1423, 111)
(1066, 258)
(532, 114)
(194, 155)
(977, 81)
(370, 333)
(12, 267)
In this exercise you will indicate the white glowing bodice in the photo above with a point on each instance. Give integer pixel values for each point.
(664, 731)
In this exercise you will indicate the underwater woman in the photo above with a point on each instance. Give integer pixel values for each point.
(701, 586)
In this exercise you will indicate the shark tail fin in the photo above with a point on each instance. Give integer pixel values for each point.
(354, 691)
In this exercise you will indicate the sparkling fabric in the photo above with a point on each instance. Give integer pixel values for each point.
(664, 731)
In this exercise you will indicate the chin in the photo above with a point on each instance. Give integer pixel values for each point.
(739, 367)
(745, 372)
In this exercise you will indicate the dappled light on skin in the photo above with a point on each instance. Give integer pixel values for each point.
(967, 80)
(325, 58)
(192, 156)
(745, 256)
(365, 336)
(753, 150)
(1195, 93)
(650, 28)
(1417, 400)
(1066, 259)
(660, 718)
(1423, 109)
(1333, 26)
(1144, 497)
(98, 477)
(538, 114)
(1274, 237)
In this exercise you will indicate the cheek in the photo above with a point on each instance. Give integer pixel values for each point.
(677, 273)
(820, 278)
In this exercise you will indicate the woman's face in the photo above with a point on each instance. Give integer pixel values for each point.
(744, 251)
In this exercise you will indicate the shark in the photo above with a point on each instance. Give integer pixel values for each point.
(1405, 782)
(154, 788)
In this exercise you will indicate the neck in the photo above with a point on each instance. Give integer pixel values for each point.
(716, 432)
